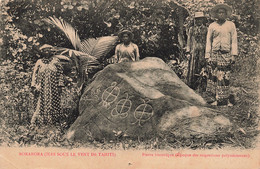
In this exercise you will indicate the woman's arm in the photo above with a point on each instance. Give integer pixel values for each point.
(234, 50)
(137, 55)
(35, 73)
(117, 55)
(188, 47)
(209, 42)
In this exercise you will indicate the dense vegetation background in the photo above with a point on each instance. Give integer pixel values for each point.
(157, 28)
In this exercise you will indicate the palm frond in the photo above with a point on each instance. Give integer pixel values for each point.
(83, 61)
(67, 29)
(98, 47)
(88, 45)
(63, 58)
(45, 46)
(70, 52)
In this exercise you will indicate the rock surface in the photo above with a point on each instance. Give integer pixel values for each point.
(141, 99)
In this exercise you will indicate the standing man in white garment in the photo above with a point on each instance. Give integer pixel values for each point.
(221, 51)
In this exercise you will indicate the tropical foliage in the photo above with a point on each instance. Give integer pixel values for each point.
(80, 30)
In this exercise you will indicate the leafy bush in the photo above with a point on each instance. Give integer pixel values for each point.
(154, 23)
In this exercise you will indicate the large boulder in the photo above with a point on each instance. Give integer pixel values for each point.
(141, 99)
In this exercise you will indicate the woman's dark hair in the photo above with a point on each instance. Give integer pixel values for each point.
(129, 33)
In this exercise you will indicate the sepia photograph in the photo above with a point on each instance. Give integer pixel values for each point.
(135, 84)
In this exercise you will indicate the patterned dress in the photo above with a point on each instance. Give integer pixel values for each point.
(48, 80)
(196, 46)
(221, 46)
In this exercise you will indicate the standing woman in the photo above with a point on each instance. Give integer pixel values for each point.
(126, 51)
(221, 50)
(196, 51)
(47, 81)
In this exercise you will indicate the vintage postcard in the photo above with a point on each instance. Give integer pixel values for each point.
(129, 84)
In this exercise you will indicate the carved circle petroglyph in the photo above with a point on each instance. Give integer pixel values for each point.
(143, 113)
(122, 108)
(110, 95)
